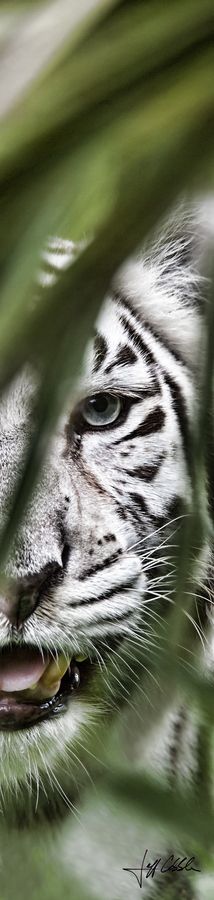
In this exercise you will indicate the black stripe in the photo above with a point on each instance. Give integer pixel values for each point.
(107, 595)
(164, 343)
(153, 422)
(100, 566)
(181, 412)
(140, 503)
(137, 337)
(125, 356)
(101, 350)
(121, 512)
(147, 473)
(173, 511)
(150, 328)
(138, 340)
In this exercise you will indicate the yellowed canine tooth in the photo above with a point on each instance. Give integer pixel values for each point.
(55, 670)
(49, 683)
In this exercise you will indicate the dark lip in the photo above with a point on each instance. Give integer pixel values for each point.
(17, 715)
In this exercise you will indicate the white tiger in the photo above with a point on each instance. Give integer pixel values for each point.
(116, 474)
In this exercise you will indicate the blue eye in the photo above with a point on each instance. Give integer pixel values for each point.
(101, 410)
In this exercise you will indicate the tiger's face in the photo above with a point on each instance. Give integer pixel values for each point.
(83, 564)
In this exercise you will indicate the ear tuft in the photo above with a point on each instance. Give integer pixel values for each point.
(165, 282)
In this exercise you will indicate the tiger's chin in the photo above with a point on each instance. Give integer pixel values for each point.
(41, 738)
(41, 767)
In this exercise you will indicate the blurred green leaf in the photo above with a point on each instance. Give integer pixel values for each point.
(181, 813)
(115, 129)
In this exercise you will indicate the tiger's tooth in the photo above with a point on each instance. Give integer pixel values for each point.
(49, 683)
(48, 691)
(55, 671)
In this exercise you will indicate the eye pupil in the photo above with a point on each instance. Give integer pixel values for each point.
(99, 403)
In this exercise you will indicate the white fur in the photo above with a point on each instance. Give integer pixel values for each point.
(165, 292)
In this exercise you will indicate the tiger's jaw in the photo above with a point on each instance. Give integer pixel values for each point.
(45, 734)
(39, 736)
(49, 711)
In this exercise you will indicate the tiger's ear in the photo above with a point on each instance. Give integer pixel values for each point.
(192, 228)
(166, 282)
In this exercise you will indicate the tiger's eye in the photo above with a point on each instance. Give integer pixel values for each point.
(101, 410)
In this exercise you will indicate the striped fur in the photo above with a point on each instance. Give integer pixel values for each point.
(107, 491)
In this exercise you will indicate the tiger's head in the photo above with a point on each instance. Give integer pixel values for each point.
(86, 558)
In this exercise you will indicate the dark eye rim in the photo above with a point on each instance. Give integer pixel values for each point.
(80, 425)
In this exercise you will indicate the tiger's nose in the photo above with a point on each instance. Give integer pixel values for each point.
(17, 609)
(19, 603)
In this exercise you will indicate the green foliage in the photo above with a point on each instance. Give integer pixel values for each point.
(104, 141)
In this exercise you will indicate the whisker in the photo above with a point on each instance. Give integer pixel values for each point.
(157, 530)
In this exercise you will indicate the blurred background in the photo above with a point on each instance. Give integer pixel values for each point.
(106, 121)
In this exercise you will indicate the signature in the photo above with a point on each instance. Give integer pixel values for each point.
(170, 864)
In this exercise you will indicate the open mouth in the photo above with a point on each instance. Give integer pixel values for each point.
(34, 686)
